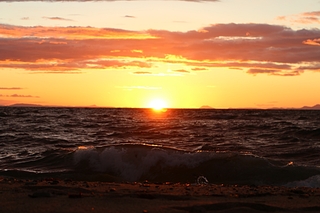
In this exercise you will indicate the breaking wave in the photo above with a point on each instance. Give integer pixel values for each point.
(157, 164)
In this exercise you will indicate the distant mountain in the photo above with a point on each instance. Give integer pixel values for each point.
(25, 105)
(317, 106)
(206, 107)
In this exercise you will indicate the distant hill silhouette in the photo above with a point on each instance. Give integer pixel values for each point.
(317, 106)
(206, 107)
(25, 105)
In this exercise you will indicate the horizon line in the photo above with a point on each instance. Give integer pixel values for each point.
(204, 107)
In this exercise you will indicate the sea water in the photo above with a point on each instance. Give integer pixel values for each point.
(275, 147)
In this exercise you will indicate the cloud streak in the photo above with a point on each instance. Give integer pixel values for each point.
(19, 96)
(255, 48)
(11, 88)
(128, 16)
(57, 18)
(303, 18)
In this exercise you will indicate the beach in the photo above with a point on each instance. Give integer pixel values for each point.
(66, 195)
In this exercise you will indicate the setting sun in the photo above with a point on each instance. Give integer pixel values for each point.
(158, 104)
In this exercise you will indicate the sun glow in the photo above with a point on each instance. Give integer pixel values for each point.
(158, 104)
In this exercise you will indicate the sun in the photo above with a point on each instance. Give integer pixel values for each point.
(158, 104)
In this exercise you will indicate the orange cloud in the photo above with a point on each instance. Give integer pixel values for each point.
(303, 18)
(273, 72)
(12, 31)
(142, 73)
(199, 69)
(257, 48)
(315, 42)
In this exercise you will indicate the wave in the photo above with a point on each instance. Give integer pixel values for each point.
(158, 164)
(140, 162)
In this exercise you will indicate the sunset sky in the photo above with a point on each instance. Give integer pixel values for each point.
(221, 53)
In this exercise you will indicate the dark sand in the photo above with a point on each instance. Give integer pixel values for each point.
(55, 195)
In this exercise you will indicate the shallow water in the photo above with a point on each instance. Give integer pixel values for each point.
(226, 146)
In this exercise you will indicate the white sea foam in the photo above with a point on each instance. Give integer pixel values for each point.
(131, 164)
(312, 182)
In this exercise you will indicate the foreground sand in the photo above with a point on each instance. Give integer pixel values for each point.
(54, 195)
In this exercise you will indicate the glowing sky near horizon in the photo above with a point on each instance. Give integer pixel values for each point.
(225, 54)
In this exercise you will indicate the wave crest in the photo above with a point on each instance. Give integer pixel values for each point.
(139, 163)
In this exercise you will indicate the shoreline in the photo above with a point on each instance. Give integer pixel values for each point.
(66, 195)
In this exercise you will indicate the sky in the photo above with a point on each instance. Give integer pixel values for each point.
(180, 54)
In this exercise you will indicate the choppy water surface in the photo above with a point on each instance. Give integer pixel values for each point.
(225, 146)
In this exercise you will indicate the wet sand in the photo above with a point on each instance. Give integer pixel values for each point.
(55, 195)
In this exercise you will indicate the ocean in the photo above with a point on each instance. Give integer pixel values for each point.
(218, 146)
